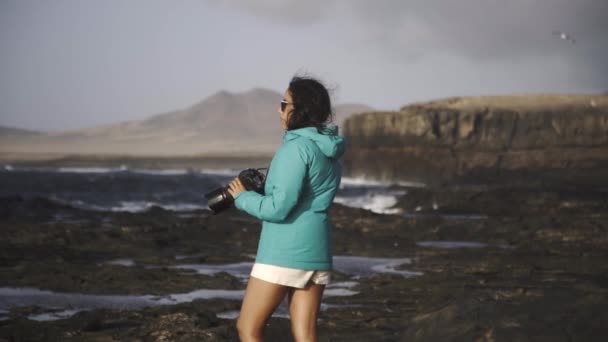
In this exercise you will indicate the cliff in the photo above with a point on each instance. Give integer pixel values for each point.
(531, 138)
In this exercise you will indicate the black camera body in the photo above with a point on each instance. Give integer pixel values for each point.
(220, 199)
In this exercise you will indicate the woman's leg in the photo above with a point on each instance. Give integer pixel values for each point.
(260, 301)
(304, 307)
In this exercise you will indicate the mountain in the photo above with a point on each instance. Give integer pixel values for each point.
(222, 124)
(16, 132)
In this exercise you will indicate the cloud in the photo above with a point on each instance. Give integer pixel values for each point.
(478, 29)
(510, 40)
(280, 12)
(70, 63)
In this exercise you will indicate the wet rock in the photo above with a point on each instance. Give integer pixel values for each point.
(538, 271)
(183, 322)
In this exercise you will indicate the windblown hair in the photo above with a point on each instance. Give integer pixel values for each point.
(311, 104)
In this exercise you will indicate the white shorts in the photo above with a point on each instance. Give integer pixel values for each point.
(289, 276)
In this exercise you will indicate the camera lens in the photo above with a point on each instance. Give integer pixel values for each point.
(219, 200)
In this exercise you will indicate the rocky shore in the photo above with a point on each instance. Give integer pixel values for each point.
(541, 139)
(488, 264)
(508, 240)
(236, 162)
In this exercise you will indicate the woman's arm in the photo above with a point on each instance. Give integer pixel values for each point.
(287, 175)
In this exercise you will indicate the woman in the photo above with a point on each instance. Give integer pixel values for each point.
(294, 252)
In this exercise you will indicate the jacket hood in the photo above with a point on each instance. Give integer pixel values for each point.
(330, 143)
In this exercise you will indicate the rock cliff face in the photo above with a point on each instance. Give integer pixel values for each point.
(542, 139)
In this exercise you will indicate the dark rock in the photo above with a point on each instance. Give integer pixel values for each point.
(539, 272)
(539, 139)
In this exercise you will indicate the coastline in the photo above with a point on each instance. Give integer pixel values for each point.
(211, 161)
(535, 271)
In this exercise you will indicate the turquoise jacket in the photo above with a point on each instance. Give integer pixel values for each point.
(302, 181)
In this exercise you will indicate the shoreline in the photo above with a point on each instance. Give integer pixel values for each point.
(536, 262)
(151, 162)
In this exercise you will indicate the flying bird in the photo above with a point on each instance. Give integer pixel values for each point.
(565, 36)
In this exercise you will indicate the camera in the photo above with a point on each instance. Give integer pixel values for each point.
(220, 199)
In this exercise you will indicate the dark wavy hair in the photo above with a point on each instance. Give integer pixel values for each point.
(311, 104)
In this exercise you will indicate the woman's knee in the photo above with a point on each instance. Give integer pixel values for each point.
(248, 331)
(303, 333)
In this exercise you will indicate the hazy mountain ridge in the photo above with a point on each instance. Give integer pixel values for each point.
(13, 131)
(224, 123)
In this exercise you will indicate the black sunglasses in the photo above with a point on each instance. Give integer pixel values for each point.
(284, 104)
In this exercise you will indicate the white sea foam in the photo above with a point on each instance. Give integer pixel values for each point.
(342, 284)
(8, 167)
(220, 172)
(87, 169)
(162, 172)
(376, 202)
(77, 203)
(159, 172)
(141, 206)
(182, 207)
(232, 314)
(177, 172)
(122, 262)
(339, 293)
(371, 195)
(131, 206)
(56, 315)
(362, 181)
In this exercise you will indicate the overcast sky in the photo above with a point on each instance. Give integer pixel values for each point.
(68, 64)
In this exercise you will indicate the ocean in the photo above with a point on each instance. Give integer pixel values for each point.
(181, 190)
(124, 189)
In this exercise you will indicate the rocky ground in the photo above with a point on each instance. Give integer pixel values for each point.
(538, 274)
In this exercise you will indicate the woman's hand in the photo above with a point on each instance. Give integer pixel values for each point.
(236, 187)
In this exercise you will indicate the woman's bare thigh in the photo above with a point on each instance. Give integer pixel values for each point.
(260, 301)
(304, 307)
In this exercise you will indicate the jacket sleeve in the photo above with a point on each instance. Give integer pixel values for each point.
(287, 171)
